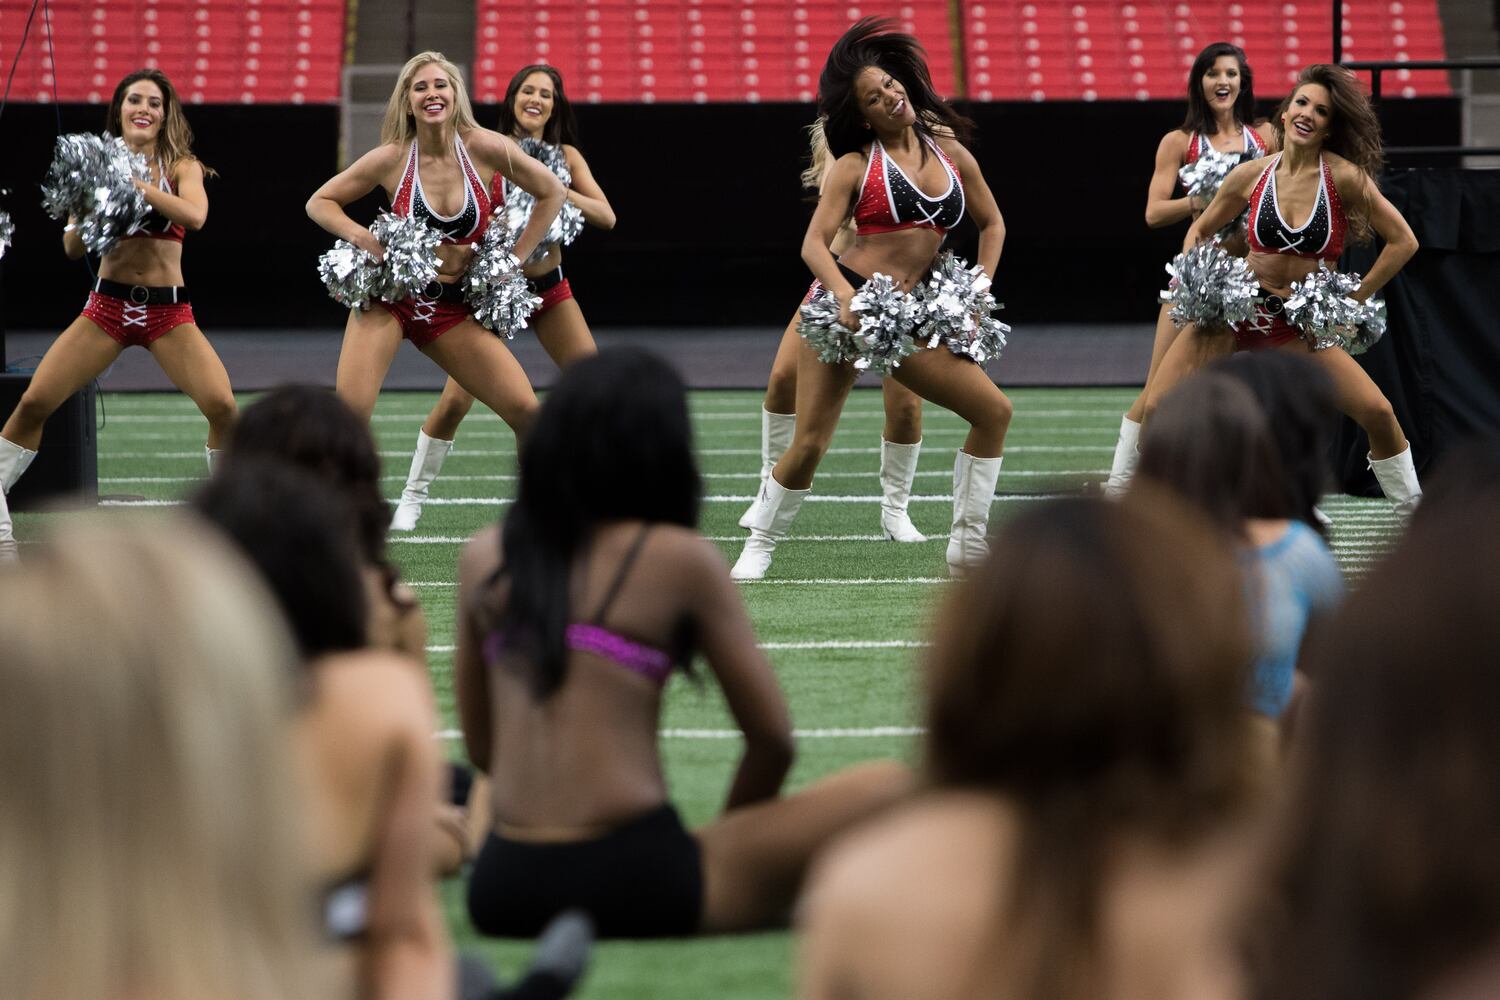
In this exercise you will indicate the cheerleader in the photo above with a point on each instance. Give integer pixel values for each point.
(1221, 106)
(436, 164)
(901, 170)
(536, 107)
(900, 440)
(138, 298)
(1325, 176)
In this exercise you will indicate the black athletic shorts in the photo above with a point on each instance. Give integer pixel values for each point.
(642, 879)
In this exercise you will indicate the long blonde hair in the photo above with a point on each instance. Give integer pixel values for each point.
(398, 125)
(817, 151)
(149, 843)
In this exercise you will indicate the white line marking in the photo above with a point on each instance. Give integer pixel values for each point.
(735, 734)
(872, 474)
(829, 644)
(456, 539)
(822, 581)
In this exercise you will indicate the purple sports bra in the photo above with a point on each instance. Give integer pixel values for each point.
(592, 637)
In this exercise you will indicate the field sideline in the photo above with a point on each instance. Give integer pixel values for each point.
(842, 614)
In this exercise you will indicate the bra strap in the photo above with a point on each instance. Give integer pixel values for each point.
(620, 574)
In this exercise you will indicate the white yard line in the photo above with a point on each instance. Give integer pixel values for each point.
(734, 734)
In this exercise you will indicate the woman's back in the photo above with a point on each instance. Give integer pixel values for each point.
(643, 598)
(936, 923)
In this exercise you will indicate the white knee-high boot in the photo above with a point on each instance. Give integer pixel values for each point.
(13, 462)
(1397, 477)
(426, 463)
(898, 468)
(770, 519)
(776, 430)
(973, 490)
(1126, 456)
(212, 455)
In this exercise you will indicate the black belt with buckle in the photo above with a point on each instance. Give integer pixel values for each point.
(1270, 304)
(142, 295)
(440, 291)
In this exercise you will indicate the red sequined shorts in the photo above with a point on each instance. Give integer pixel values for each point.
(137, 315)
(553, 289)
(1267, 328)
(425, 317)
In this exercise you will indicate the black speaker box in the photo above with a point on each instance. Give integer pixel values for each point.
(65, 471)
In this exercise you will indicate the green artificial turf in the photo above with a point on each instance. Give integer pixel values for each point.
(846, 652)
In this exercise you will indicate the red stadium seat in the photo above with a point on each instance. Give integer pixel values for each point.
(248, 51)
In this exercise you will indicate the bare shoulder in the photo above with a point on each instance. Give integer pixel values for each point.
(386, 695)
(572, 154)
(185, 168)
(894, 858)
(1246, 174)
(480, 556)
(955, 150)
(687, 549)
(1348, 177)
(1175, 141)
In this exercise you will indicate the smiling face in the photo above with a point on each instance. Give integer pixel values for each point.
(431, 95)
(142, 111)
(534, 102)
(1308, 116)
(1221, 84)
(882, 100)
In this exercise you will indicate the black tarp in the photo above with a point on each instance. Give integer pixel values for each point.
(1439, 362)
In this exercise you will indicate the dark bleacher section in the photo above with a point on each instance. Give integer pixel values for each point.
(216, 52)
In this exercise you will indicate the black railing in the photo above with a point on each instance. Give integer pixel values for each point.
(1377, 67)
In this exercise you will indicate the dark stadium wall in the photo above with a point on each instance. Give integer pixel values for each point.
(711, 215)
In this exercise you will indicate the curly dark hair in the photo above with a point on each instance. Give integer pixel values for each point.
(874, 41)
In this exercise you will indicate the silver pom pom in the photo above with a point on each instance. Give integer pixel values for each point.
(411, 261)
(7, 232)
(354, 278)
(351, 276)
(887, 318)
(1210, 287)
(957, 310)
(494, 286)
(820, 327)
(519, 204)
(92, 178)
(1323, 307)
(1204, 175)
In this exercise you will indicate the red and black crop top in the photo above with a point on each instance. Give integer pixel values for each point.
(1198, 144)
(1321, 237)
(463, 228)
(156, 226)
(889, 201)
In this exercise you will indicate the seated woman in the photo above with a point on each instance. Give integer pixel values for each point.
(364, 729)
(571, 619)
(1210, 442)
(364, 734)
(313, 428)
(149, 835)
(1381, 881)
(1079, 835)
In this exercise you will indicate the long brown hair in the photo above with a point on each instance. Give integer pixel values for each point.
(1383, 879)
(174, 143)
(1353, 131)
(1092, 674)
(1211, 443)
